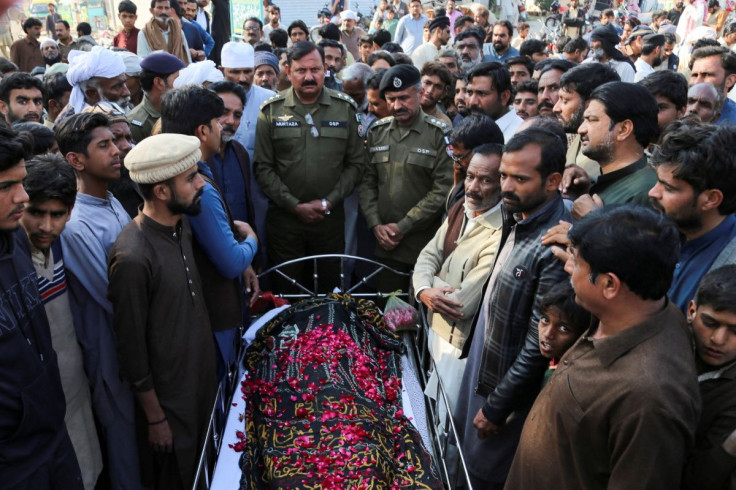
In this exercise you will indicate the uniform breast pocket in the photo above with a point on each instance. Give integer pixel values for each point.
(422, 158)
(338, 133)
(288, 143)
(381, 161)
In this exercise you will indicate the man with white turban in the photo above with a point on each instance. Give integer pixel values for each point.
(202, 73)
(133, 77)
(96, 76)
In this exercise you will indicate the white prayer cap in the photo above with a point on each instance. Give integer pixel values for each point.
(132, 63)
(348, 14)
(83, 65)
(48, 41)
(237, 55)
(198, 74)
(701, 32)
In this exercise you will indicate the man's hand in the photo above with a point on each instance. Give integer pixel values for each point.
(585, 204)
(244, 230)
(385, 237)
(558, 234)
(436, 300)
(485, 427)
(575, 182)
(160, 437)
(310, 212)
(252, 286)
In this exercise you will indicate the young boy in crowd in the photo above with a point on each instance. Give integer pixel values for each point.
(560, 325)
(712, 317)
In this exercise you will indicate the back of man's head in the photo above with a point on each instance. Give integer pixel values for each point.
(50, 177)
(635, 243)
(185, 109)
(624, 101)
(476, 130)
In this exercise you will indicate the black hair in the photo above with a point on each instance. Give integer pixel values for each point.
(670, 38)
(74, 133)
(261, 46)
(50, 177)
(527, 86)
(630, 101)
(275, 7)
(128, 7)
(366, 39)
(7, 66)
(586, 77)
(701, 155)
(298, 24)
(31, 22)
(64, 23)
(728, 57)
(14, 147)
(279, 51)
(476, 130)
(531, 46)
(154, 2)
(303, 48)
(471, 32)
(374, 81)
(84, 28)
(329, 31)
(521, 60)
(329, 43)
(43, 137)
(498, 73)
(669, 84)
(489, 149)
(279, 38)
(17, 81)
(561, 42)
(392, 48)
(506, 24)
(402, 59)
(717, 289)
(381, 37)
(176, 8)
(636, 243)
(551, 124)
(553, 149)
(704, 42)
(185, 109)
(228, 87)
(562, 296)
(730, 28)
(147, 77)
(575, 44)
(380, 55)
(558, 64)
(254, 19)
(462, 20)
(651, 44)
(438, 69)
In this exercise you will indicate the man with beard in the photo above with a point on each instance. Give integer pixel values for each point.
(696, 187)
(489, 93)
(165, 346)
(51, 53)
(499, 49)
(95, 76)
(525, 99)
(21, 97)
(309, 158)
(403, 192)
(377, 106)
(57, 96)
(704, 102)
(652, 55)
(576, 85)
(504, 367)
(717, 65)
(469, 45)
(603, 41)
(163, 33)
(267, 70)
(436, 79)
(26, 52)
(548, 86)
(520, 68)
(354, 82)
(460, 99)
(85, 141)
(252, 30)
(64, 39)
(158, 72)
(334, 61)
(439, 35)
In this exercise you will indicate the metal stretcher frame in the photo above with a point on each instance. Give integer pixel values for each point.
(442, 429)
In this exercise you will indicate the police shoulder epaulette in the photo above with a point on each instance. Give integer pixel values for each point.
(381, 122)
(436, 122)
(271, 99)
(346, 98)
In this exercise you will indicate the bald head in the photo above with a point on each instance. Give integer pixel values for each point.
(704, 100)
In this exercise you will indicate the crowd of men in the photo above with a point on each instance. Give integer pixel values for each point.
(144, 186)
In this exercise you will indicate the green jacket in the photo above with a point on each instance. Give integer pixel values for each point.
(407, 178)
(142, 118)
(296, 161)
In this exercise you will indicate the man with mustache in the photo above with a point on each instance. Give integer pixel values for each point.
(407, 155)
(469, 45)
(163, 33)
(26, 52)
(652, 55)
(500, 49)
(548, 86)
(309, 158)
(86, 142)
(158, 72)
(489, 92)
(160, 317)
(21, 97)
(525, 99)
(51, 53)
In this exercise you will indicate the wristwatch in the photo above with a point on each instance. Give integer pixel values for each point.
(324, 206)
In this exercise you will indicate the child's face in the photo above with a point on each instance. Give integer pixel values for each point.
(555, 333)
(715, 334)
(391, 14)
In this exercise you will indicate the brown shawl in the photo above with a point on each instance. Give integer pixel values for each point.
(155, 38)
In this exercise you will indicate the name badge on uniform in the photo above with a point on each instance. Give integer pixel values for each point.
(137, 123)
(286, 124)
(373, 149)
(423, 151)
(334, 124)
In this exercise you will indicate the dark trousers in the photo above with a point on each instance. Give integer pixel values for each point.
(61, 472)
(290, 238)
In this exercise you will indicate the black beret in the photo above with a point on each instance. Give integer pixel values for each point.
(640, 30)
(399, 77)
(162, 63)
(441, 22)
(605, 33)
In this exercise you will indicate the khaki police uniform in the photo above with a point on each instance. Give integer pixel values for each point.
(307, 152)
(142, 118)
(408, 175)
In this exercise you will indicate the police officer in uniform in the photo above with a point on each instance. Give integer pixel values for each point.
(308, 158)
(407, 177)
(158, 72)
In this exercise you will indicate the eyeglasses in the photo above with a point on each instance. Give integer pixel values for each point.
(252, 29)
(111, 108)
(458, 158)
